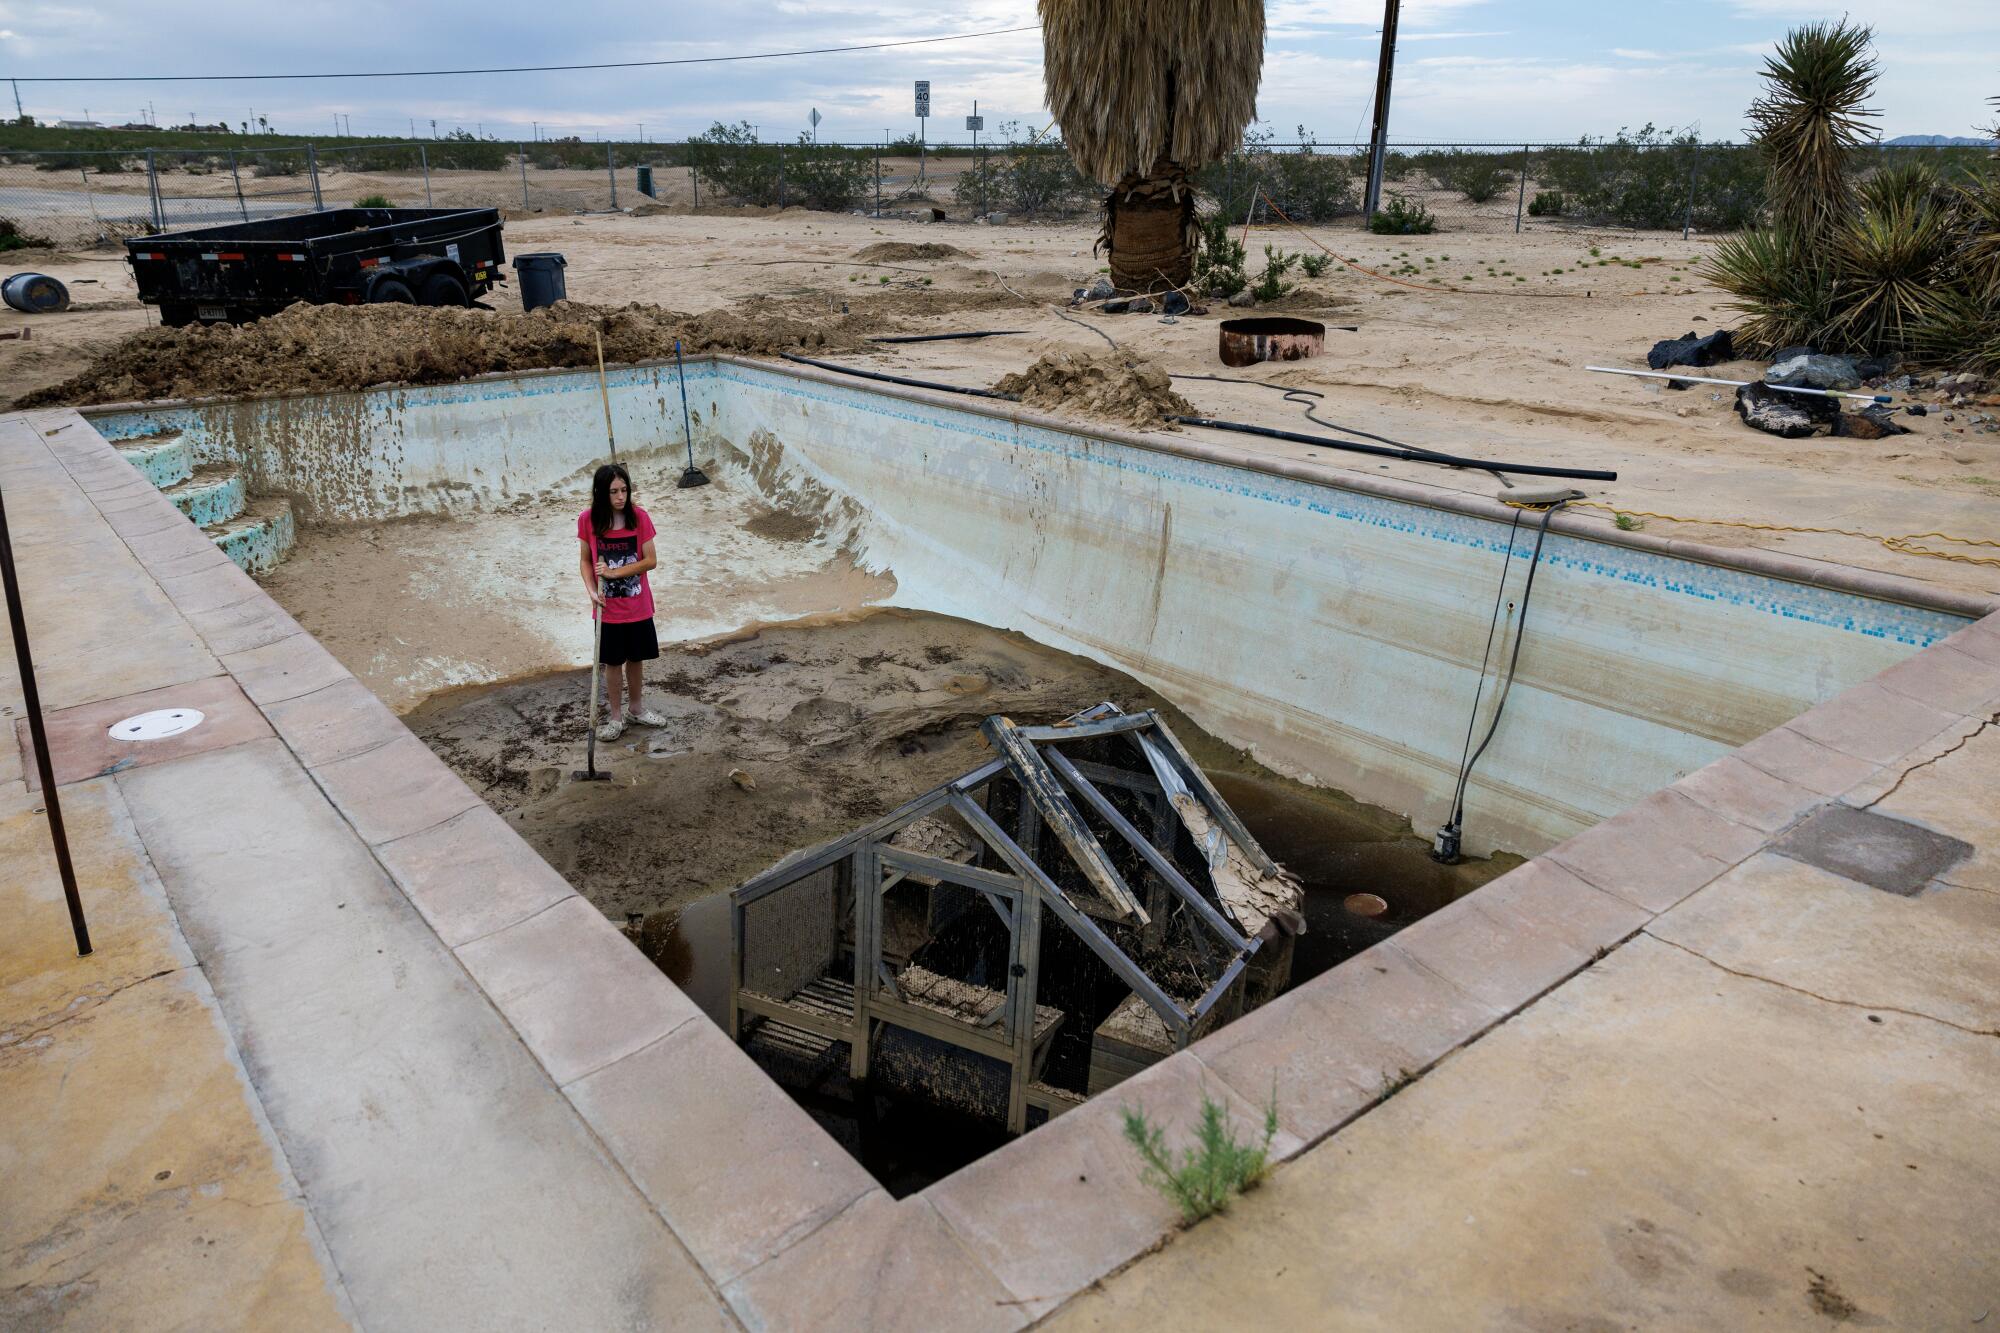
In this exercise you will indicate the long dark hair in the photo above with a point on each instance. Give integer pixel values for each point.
(600, 498)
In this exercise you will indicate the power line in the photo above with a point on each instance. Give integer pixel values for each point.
(519, 69)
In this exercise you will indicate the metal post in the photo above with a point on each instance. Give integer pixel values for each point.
(522, 149)
(611, 168)
(781, 175)
(237, 177)
(1687, 217)
(1522, 198)
(424, 160)
(878, 181)
(312, 170)
(694, 179)
(1378, 141)
(31, 698)
(153, 189)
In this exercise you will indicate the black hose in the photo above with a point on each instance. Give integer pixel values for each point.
(1405, 452)
(902, 379)
(942, 337)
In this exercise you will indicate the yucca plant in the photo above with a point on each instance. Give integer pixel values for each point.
(1811, 119)
(1911, 181)
(1780, 282)
(1888, 264)
(1146, 94)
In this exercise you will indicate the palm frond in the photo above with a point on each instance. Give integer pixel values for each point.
(1133, 83)
(1811, 118)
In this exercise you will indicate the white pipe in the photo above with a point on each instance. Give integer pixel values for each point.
(1704, 379)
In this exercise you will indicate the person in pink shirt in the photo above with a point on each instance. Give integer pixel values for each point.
(616, 540)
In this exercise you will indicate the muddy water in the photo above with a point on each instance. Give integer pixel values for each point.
(790, 737)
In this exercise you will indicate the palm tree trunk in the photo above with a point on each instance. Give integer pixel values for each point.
(1149, 230)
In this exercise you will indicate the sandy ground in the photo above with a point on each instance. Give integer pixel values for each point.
(1494, 370)
(799, 733)
(426, 604)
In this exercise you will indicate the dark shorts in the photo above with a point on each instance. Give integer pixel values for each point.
(632, 642)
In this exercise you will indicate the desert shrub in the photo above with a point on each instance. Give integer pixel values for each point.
(567, 154)
(1641, 178)
(1029, 176)
(1271, 283)
(1315, 265)
(825, 176)
(1402, 217)
(12, 238)
(1310, 186)
(373, 201)
(1212, 1171)
(463, 151)
(275, 166)
(1218, 262)
(1547, 204)
(1477, 176)
(1729, 188)
(1886, 263)
(731, 160)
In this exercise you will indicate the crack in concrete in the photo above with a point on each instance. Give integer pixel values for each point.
(78, 1008)
(1824, 999)
(1944, 754)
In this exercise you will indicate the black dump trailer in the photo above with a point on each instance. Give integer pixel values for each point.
(344, 256)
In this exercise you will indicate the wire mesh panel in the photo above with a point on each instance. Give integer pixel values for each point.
(791, 937)
(71, 199)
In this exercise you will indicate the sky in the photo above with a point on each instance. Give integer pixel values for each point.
(1501, 71)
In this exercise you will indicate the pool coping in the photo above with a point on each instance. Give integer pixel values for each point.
(792, 1231)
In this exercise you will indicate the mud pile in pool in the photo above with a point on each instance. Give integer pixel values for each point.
(307, 348)
(1123, 388)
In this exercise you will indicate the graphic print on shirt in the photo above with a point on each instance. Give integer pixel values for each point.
(616, 550)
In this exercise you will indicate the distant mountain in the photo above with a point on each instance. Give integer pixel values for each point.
(1936, 141)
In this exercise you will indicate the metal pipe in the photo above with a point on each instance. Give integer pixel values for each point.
(522, 149)
(237, 176)
(424, 160)
(1704, 379)
(31, 699)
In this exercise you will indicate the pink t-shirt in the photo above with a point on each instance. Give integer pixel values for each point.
(625, 599)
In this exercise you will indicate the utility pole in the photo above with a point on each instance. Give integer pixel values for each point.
(1378, 142)
(18, 113)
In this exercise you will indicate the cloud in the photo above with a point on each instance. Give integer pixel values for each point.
(1630, 53)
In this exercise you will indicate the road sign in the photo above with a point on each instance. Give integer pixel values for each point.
(923, 98)
(975, 123)
(815, 118)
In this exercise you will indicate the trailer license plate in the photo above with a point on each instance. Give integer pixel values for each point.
(211, 312)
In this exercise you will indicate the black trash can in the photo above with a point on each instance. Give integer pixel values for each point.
(541, 279)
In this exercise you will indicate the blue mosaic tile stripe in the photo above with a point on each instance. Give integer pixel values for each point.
(1827, 607)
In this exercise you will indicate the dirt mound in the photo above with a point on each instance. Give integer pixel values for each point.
(1107, 384)
(900, 252)
(309, 349)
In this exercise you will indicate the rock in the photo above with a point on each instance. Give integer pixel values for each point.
(1787, 353)
(742, 779)
(1901, 384)
(1965, 383)
(1114, 307)
(997, 219)
(1790, 415)
(1875, 367)
(1141, 305)
(1243, 299)
(1871, 423)
(1814, 371)
(1917, 410)
(1100, 290)
(1692, 351)
(1174, 303)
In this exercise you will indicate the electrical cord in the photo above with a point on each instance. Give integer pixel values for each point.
(1446, 848)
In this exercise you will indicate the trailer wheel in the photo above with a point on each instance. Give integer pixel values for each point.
(391, 291)
(176, 314)
(443, 289)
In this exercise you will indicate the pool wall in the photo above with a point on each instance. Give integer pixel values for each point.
(1332, 623)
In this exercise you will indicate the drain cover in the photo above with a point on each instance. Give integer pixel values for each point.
(1365, 904)
(156, 725)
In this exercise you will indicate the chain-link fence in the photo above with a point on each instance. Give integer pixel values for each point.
(1643, 182)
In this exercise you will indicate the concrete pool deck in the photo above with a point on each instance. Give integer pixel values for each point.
(332, 986)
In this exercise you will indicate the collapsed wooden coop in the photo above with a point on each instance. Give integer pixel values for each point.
(1022, 937)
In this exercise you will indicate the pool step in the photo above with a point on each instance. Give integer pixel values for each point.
(161, 459)
(259, 537)
(213, 494)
